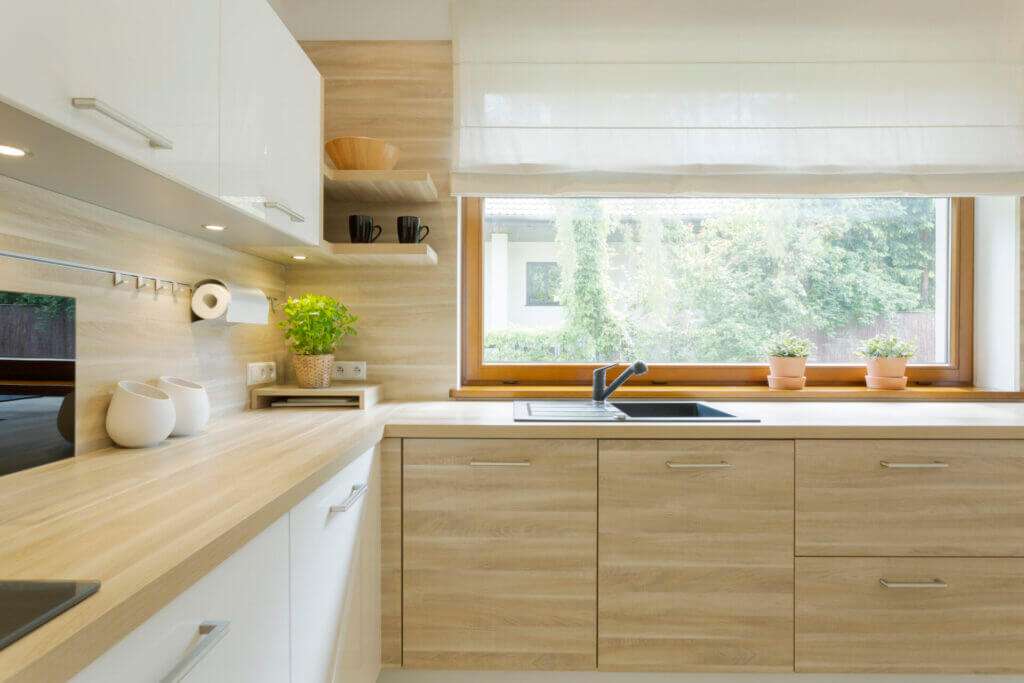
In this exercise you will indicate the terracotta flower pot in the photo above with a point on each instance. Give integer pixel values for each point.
(786, 366)
(887, 367)
(313, 372)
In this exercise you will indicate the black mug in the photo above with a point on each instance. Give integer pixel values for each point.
(362, 229)
(410, 231)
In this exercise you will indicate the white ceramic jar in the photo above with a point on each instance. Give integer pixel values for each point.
(139, 415)
(191, 405)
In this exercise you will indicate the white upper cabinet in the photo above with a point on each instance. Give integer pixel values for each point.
(270, 121)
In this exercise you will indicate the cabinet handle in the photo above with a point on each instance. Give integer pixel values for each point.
(211, 633)
(913, 465)
(916, 583)
(156, 140)
(357, 492)
(285, 209)
(507, 463)
(697, 465)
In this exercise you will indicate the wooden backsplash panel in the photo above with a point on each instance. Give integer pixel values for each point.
(400, 91)
(122, 333)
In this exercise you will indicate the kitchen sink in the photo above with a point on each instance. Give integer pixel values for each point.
(621, 411)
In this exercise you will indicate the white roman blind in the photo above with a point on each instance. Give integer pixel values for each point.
(738, 97)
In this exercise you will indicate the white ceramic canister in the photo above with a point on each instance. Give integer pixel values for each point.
(191, 405)
(139, 415)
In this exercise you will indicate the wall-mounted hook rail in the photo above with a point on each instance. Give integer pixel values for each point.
(118, 276)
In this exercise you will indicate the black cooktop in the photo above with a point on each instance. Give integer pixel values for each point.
(27, 605)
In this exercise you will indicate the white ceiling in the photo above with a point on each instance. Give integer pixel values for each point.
(365, 19)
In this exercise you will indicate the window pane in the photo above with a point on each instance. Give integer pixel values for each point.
(37, 326)
(711, 280)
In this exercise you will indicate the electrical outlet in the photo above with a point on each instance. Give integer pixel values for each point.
(347, 370)
(261, 373)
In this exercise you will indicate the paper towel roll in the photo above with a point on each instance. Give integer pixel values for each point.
(210, 301)
(213, 299)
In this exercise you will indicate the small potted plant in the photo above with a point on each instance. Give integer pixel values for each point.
(787, 358)
(886, 358)
(315, 326)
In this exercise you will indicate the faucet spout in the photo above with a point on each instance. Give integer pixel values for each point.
(600, 392)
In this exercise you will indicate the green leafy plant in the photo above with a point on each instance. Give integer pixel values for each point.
(316, 324)
(884, 346)
(789, 346)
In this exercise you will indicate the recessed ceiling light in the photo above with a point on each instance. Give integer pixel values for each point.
(214, 228)
(16, 152)
(299, 257)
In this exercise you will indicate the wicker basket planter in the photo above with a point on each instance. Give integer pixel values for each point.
(313, 372)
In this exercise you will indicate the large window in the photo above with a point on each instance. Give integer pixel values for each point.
(697, 287)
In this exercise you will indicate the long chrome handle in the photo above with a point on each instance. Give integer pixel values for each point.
(156, 140)
(357, 492)
(913, 465)
(917, 583)
(210, 633)
(494, 463)
(697, 465)
(285, 209)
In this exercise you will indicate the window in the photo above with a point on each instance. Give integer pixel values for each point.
(543, 280)
(696, 286)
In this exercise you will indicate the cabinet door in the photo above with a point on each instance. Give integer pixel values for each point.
(249, 590)
(499, 553)
(696, 556)
(335, 606)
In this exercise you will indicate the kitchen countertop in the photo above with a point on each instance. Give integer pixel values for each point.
(150, 522)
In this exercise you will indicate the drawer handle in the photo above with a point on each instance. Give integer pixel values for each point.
(285, 209)
(156, 140)
(914, 465)
(357, 492)
(506, 463)
(210, 633)
(917, 583)
(698, 465)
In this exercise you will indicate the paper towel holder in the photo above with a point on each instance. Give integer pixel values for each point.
(251, 313)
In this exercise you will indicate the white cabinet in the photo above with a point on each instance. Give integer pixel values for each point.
(335, 594)
(270, 127)
(152, 61)
(249, 591)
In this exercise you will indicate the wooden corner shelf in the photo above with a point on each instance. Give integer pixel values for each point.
(362, 395)
(399, 187)
(383, 254)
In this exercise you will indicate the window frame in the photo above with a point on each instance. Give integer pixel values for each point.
(958, 371)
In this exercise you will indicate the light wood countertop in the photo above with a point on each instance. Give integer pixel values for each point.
(150, 522)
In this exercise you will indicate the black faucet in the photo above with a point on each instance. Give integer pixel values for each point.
(602, 392)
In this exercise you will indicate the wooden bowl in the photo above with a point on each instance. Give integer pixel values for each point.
(786, 382)
(362, 154)
(889, 383)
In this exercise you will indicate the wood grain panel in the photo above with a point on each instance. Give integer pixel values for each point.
(847, 503)
(123, 333)
(499, 562)
(391, 552)
(400, 91)
(695, 565)
(846, 621)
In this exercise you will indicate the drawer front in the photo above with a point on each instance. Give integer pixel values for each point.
(499, 554)
(930, 498)
(847, 621)
(696, 556)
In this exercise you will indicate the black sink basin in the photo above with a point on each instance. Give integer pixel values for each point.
(621, 411)
(669, 410)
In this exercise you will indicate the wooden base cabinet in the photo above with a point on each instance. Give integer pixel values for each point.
(499, 554)
(910, 615)
(695, 556)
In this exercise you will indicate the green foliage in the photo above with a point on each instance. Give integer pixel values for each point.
(52, 306)
(316, 324)
(884, 346)
(789, 346)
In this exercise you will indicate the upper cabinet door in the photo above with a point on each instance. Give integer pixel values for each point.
(151, 65)
(270, 121)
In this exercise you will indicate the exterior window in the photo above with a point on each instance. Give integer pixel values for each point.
(543, 280)
(693, 285)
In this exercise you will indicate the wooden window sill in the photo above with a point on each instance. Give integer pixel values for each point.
(739, 393)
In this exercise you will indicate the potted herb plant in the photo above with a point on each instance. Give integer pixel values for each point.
(886, 358)
(787, 358)
(315, 325)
